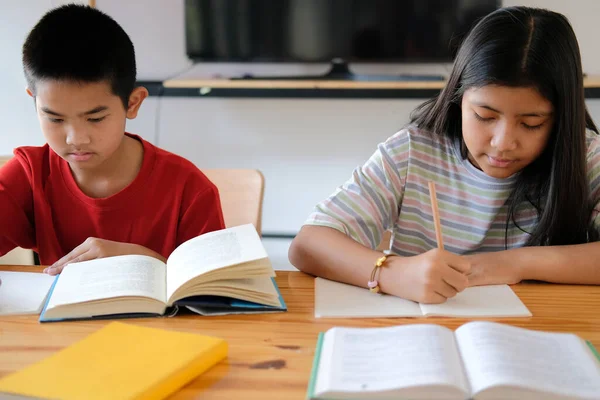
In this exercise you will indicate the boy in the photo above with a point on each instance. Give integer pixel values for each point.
(93, 190)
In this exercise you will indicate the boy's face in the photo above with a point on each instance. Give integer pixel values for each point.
(505, 128)
(84, 123)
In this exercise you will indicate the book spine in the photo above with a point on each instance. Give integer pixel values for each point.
(593, 349)
(47, 300)
(315, 368)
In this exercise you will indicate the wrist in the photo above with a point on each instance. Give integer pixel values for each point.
(524, 262)
(388, 275)
(509, 261)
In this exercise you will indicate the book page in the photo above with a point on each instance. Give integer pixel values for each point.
(23, 292)
(496, 354)
(340, 300)
(104, 278)
(480, 301)
(212, 251)
(383, 359)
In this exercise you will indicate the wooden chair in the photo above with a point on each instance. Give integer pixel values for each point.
(241, 192)
(17, 256)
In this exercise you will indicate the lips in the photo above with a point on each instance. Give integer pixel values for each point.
(499, 162)
(80, 156)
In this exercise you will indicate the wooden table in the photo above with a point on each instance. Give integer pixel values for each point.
(270, 355)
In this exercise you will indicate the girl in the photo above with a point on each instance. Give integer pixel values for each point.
(515, 158)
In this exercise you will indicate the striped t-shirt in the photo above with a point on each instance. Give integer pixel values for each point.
(390, 192)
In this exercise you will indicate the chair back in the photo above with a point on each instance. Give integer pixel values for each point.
(4, 160)
(241, 192)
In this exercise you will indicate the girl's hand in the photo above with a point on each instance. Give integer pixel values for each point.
(493, 269)
(94, 248)
(431, 277)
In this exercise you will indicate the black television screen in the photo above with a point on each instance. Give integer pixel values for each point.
(321, 30)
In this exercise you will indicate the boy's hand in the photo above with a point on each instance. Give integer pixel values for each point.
(493, 269)
(94, 248)
(431, 277)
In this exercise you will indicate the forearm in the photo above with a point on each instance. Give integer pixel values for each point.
(576, 264)
(330, 254)
(431, 277)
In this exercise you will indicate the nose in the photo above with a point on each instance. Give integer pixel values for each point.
(504, 138)
(76, 136)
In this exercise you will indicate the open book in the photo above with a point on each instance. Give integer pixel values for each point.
(217, 271)
(23, 292)
(480, 360)
(339, 300)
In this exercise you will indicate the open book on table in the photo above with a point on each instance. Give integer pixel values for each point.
(339, 300)
(226, 271)
(480, 360)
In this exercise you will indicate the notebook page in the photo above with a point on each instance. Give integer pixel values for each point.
(496, 354)
(383, 359)
(480, 301)
(23, 292)
(339, 300)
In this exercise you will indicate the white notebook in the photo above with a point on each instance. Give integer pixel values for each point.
(23, 292)
(339, 300)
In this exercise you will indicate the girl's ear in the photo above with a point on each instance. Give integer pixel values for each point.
(137, 96)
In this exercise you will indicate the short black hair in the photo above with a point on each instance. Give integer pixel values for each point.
(82, 44)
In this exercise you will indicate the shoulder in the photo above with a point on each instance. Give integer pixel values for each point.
(33, 159)
(414, 135)
(592, 140)
(593, 152)
(175, 170)
(412, 140)
(32, 154)
(593, 159)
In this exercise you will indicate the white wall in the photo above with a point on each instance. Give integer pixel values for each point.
(305, 147)
(20, 126)
(583, 15)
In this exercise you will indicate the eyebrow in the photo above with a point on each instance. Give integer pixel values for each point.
(90, 112)
(531, 114)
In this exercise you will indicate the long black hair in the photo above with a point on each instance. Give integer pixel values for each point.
(529, 47)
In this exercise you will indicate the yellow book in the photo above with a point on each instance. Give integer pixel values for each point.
(119, 361)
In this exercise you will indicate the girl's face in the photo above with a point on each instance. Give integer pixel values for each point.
(505, 128)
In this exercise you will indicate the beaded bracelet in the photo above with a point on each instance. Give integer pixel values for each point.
(373, 284)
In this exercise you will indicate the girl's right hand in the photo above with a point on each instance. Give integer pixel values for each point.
(431, 277)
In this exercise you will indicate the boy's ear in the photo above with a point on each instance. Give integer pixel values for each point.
(29, 92)
(136, 98)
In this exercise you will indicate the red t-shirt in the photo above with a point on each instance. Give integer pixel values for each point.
(42, 208)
